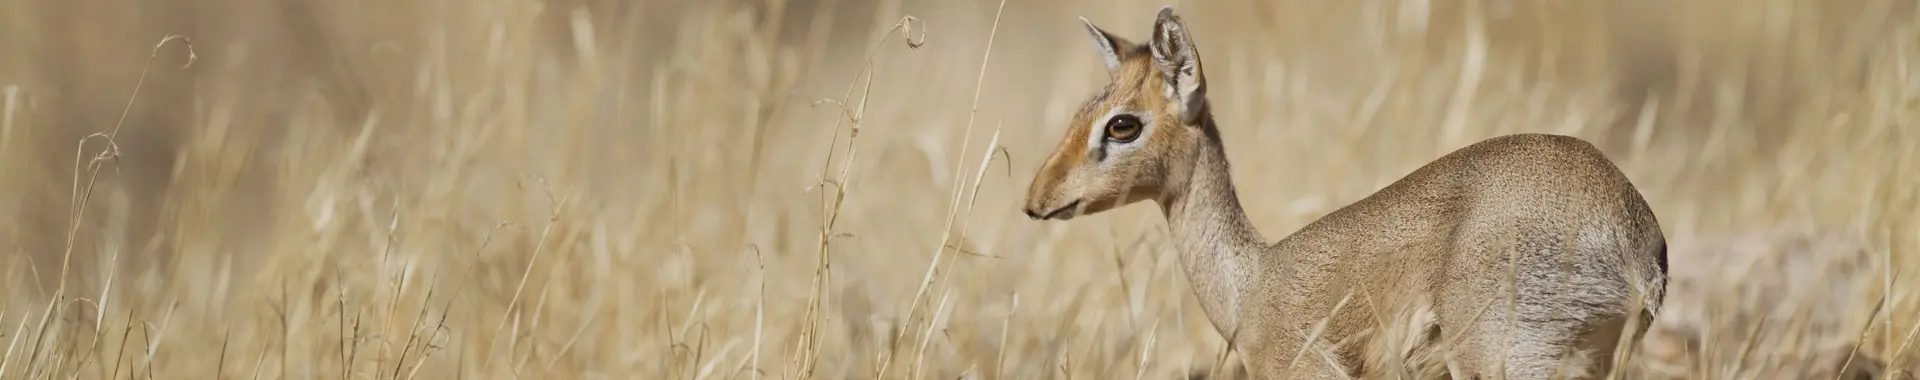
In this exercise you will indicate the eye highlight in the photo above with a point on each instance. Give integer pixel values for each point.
(1123, 128)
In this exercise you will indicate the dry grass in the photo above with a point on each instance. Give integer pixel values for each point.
(653, 189)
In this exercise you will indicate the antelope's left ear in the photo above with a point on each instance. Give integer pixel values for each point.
(1179, 64)
(1112, 48)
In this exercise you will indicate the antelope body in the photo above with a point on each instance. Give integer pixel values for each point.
(1523, 255)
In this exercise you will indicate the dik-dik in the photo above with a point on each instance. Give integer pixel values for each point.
(1523, 256)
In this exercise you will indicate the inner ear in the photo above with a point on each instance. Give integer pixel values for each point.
(1178, 62)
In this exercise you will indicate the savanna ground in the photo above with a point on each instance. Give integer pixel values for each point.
(655, 189)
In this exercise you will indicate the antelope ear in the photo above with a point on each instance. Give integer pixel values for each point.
(1179, 64)
(1110, 46)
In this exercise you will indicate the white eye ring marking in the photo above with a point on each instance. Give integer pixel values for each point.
(1098, 148)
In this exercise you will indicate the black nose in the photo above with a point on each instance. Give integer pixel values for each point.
(1031, 214)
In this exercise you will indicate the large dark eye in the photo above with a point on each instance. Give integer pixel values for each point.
(1123, 128)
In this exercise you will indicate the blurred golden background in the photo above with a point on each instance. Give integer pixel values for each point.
(646, 189)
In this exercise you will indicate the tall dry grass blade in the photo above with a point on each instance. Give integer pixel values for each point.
(430, 348)
(146, 333)
(539, 246)
(1313, 342)
(346, 338)
(158, 334)
(220, 365)
(1006, 326)
(80, 196)
(126, 335)
(1146, 353)
(806, 353)
(986, 161)
(259, 364)
(946, 231)
(593, 315)
(926, 336)
(1861, 338)
(11, 96)
(7, 359)
(759, 311)
(100, 314)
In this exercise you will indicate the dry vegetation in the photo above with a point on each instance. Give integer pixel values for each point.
(655, 189)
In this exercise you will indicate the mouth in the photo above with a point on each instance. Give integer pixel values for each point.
(1063, 213)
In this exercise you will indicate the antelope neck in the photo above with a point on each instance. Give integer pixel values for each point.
(1218, 244)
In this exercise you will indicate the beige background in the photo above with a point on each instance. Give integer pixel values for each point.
(364, 186)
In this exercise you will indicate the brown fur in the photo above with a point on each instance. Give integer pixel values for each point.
(1433, 253)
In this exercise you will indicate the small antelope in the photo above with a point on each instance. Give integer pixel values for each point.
(1526, 254)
